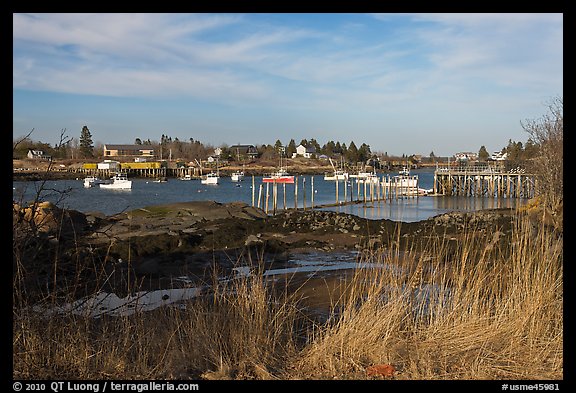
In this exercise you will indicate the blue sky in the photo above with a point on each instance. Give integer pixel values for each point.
(402, 83)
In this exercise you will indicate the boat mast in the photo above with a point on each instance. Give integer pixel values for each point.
(281, 150)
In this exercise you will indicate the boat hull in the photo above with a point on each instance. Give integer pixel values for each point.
(279, 179)
(210, 179)
(118, 182)
(118, 185)
(336, 177)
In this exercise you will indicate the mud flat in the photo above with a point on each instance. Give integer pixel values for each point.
(149, 247)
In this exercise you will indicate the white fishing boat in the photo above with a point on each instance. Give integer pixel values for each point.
(237, 176)
(338, 175)
(210, 178)
(119, 182)
(404, 184)
(366, 177)
(92, 181)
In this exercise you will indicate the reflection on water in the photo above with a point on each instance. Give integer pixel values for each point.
(319, 265)
(422, 208)
(312, 190)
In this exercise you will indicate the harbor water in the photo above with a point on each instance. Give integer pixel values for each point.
(312, 191)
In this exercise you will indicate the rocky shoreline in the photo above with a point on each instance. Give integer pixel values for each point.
(194, 239)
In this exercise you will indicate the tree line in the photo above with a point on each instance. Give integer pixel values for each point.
(192, 149)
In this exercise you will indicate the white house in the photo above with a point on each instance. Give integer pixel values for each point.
(38, 154)
(466, 156)
(304, 151)
(499, 156)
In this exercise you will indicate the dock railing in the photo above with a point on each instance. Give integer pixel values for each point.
(488, 180)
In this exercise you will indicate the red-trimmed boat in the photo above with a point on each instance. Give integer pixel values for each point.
(279, 177)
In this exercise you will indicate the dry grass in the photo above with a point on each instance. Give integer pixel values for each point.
(489, 313)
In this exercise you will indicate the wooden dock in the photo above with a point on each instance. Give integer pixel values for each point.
(148, 172)
(484, 181)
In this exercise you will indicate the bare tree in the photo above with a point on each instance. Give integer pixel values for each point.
(548, 133)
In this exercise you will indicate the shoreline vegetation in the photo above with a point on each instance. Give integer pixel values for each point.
(459, 296)
(33, 169)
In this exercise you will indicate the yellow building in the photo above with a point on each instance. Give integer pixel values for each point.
(128, 151)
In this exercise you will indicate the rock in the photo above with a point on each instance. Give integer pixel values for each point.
(252, 240)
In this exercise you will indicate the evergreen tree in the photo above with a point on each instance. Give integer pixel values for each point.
(277, 145)
(291, 149)
(352, 153)
(86, 144)
(314, 144)
(530, 149)
(329, 148)
(337, 148)
(483, 154)
(364, 153)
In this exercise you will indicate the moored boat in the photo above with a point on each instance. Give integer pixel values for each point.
(92, 181)
(338, 175)
(280, 176)
(119, 182)
(210, 178)
(237, 176)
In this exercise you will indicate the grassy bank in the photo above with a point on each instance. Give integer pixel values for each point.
(484, 311)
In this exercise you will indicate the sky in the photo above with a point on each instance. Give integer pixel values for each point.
(401, 83)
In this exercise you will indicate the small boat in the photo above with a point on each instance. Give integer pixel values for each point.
(237, 176)
(405, 171)
(92, 181)
(280, 176)
(338, 175)
(404, 184)
(366, 177)
(160, 180)
(119, 182)
(211, 178)
(186, 177)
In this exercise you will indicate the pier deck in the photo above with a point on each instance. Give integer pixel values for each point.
(484, 181)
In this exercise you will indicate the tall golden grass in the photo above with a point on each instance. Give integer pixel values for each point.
(479, 311)
(491, 313)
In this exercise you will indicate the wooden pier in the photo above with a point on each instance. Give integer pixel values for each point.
(148, 172)
(484, 181)
(353, 191)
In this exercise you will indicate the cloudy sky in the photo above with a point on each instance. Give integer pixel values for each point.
(402, 83)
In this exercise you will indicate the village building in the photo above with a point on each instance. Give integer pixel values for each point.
(466, 156)
(244, 151)
(304, 151)
(110, 165)
(129, 151)
(38, 155)
(499, 156)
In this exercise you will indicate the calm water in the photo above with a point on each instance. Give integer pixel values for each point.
(146, 193)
